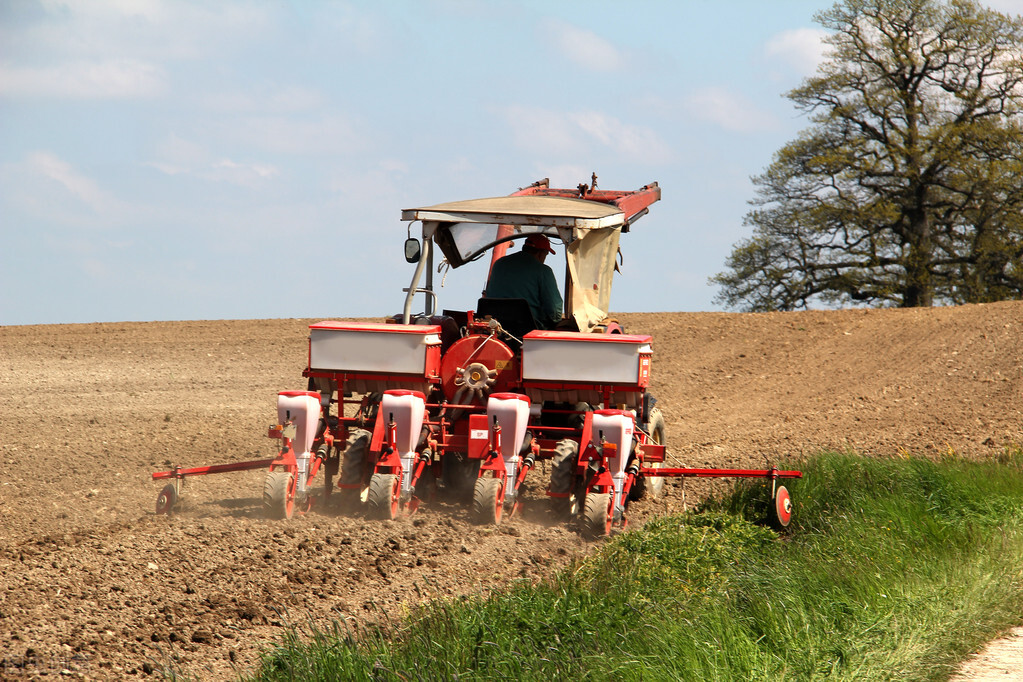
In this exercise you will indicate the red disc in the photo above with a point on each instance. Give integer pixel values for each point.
(166, 500)
(782, 506)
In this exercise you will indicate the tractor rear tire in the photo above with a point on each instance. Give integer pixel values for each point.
(353, 466)
(279, 494)
(384, 496)
(488, 501)
(651, 485)
(331, 466)
(598, 515)
(565, 481)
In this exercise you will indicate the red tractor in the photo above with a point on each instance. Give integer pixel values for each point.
(476, 398)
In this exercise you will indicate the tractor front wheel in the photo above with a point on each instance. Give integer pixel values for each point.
(279, 494)
(384, 496)
(488, 500)
(598, 513)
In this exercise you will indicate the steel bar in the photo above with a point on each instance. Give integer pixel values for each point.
(213, 469)
(686, 472)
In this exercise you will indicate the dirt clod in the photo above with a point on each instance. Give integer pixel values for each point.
(202, 637)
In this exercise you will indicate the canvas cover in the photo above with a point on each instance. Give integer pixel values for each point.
(591, 265)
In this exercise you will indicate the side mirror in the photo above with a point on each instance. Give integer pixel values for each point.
(412, 250)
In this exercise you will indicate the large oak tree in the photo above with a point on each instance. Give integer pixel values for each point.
(907, 190)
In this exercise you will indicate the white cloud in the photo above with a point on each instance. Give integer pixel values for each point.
(242, 174)
(79, 186)
(566, 175)
(147, 9)
(178, 156)
(802, 49)
(116, 79)
(177, 152)
(281, 99)
(729, 110)
(394, 165)
(42, 189)
(323, 136)
(541, 130)
(631, 141)
(96, 269)
(119, 49)
(362, 30)
(376, 187)
(152, 29)
(583, 47)
(573, 133)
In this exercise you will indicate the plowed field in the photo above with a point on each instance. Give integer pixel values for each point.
(93, 582)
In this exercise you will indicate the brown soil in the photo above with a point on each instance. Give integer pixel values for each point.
(93, 582)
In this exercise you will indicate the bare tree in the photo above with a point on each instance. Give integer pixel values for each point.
(908, 188)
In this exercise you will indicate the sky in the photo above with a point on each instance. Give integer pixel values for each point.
(180, 160)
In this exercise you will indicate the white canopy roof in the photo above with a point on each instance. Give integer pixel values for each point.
(523, 210)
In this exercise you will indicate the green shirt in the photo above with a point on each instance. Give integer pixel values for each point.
(521, 275)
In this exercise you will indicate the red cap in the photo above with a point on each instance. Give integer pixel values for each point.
(539, 242)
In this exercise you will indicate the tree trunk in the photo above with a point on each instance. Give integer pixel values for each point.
(919, 289)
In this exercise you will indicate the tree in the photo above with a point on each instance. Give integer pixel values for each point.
(908, 188)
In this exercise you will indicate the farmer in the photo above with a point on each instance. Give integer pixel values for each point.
(524, 275)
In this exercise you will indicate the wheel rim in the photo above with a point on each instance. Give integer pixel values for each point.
(609, 517)
(498, 500)
(782, 506)
(289, 503)
(395, 497)
(656, 484)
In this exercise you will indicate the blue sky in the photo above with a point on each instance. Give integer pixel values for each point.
(176, 160)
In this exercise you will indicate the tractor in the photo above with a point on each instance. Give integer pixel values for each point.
(475, 399)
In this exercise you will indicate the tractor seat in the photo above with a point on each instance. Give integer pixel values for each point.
(514, 314)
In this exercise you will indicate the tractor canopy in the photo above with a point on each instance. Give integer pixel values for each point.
(589, 225)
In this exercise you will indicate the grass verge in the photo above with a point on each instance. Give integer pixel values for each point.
(892, 569)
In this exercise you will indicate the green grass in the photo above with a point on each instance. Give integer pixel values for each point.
(892, 569)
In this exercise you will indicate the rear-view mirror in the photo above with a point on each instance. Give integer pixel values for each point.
(412, 250)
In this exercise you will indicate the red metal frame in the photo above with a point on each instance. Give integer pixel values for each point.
(686, 472)
(632, 203)
(493, 462)
(179, 472)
